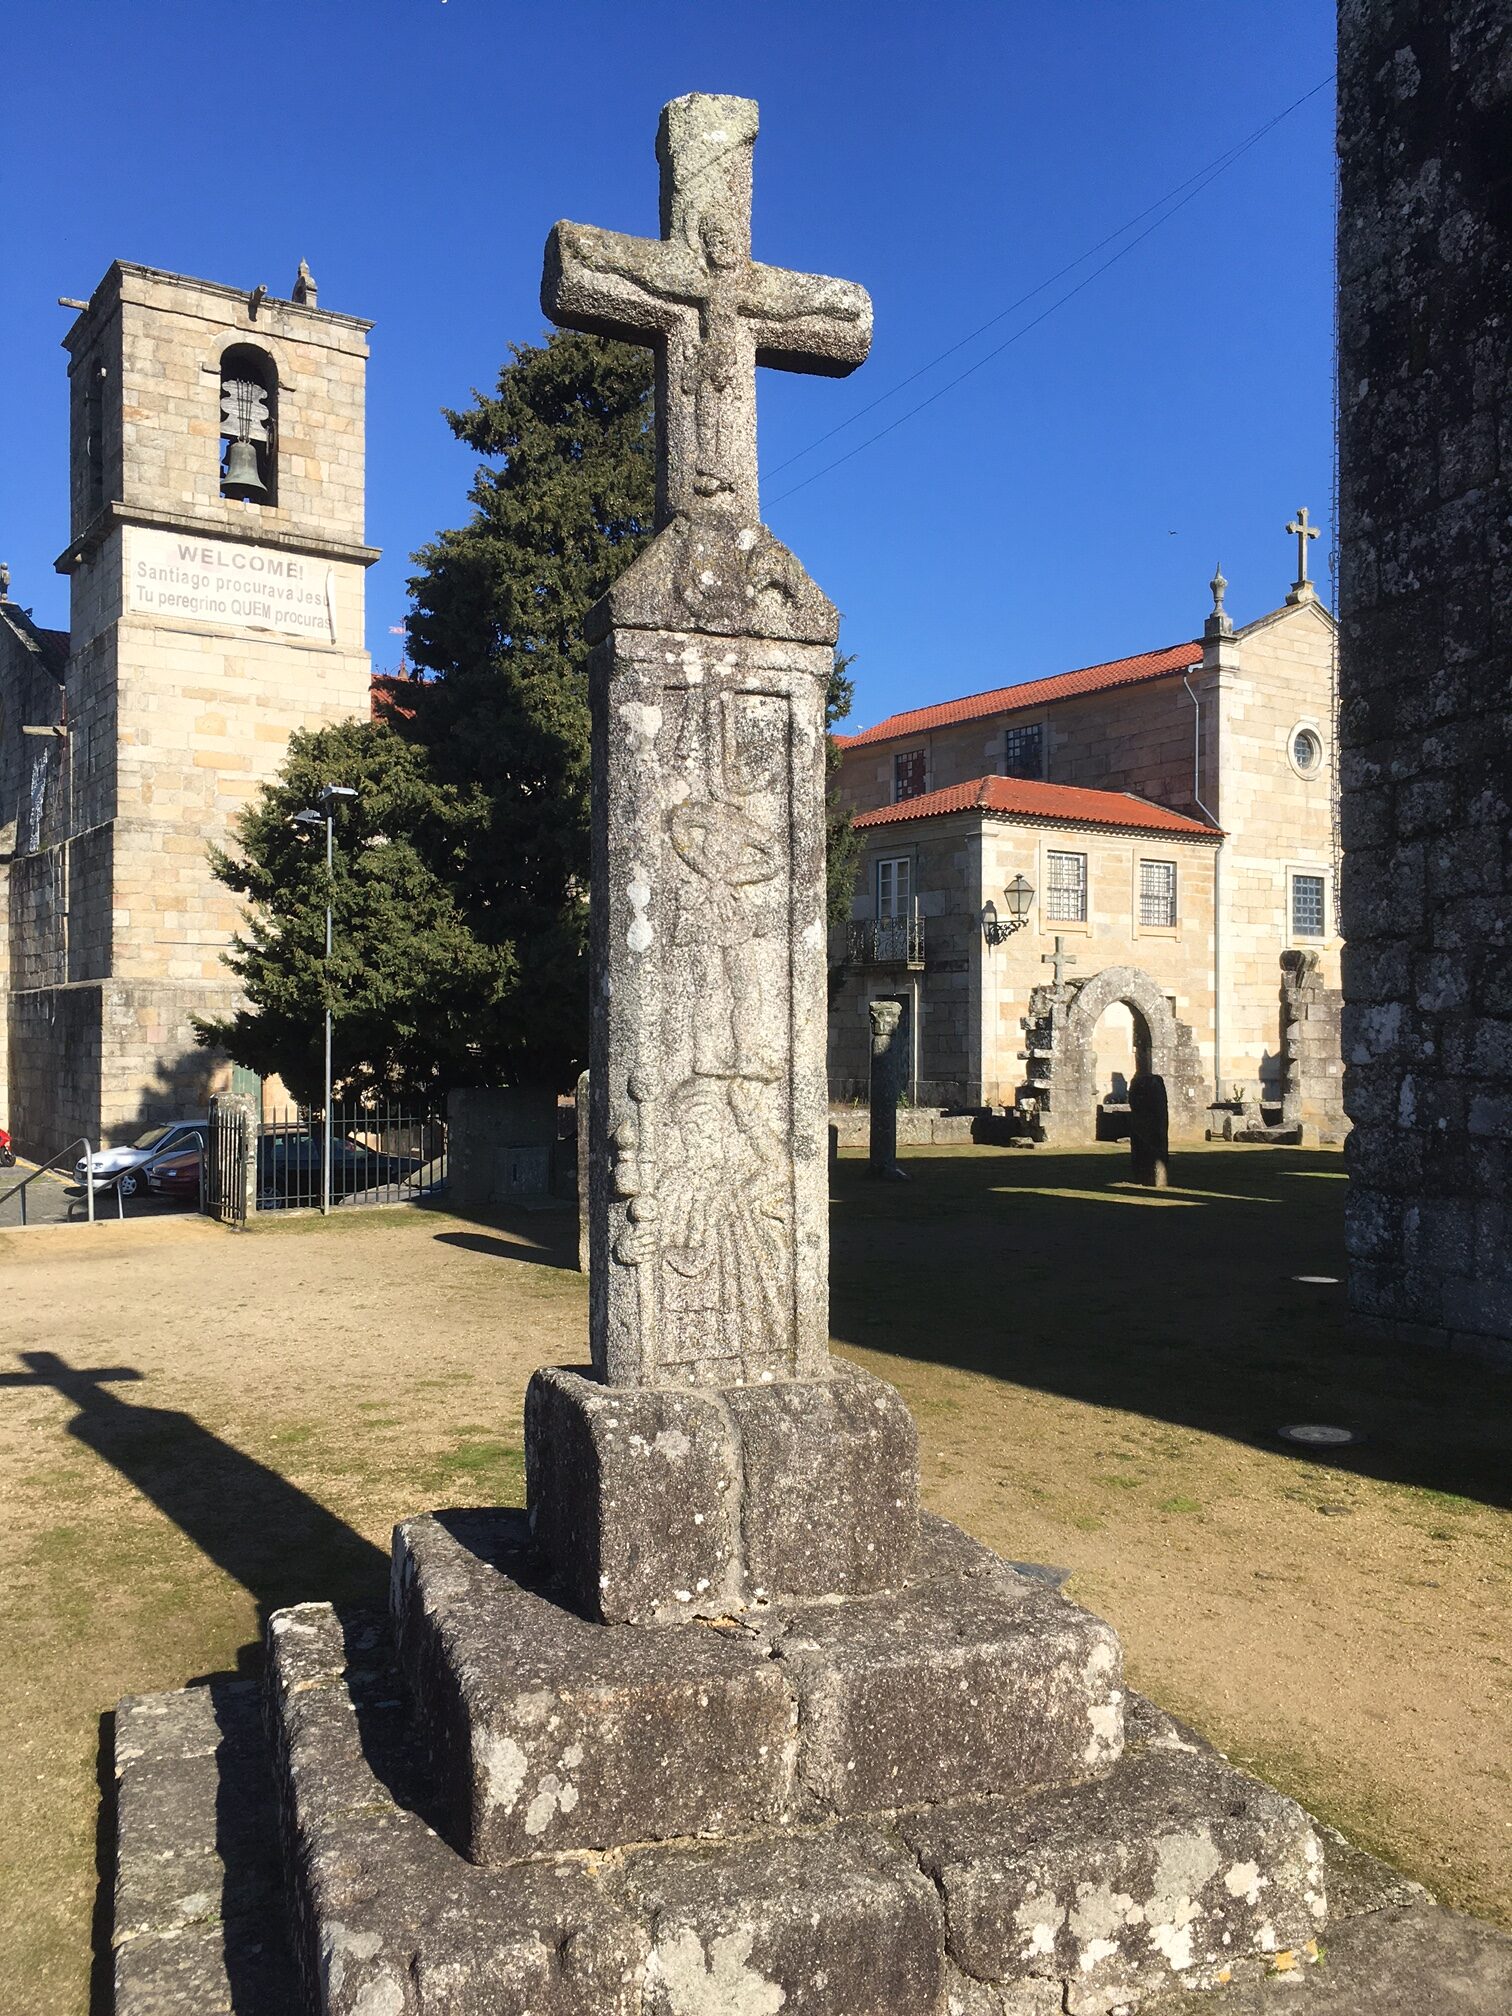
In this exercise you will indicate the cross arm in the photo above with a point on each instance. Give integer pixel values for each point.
(609, 284)
(807, 321)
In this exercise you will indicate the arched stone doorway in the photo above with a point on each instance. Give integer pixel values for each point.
(1062, 1026)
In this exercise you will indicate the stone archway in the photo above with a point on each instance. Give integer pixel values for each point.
(1061, 1027)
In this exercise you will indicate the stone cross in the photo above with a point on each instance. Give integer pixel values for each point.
(709, 310)
(707, 1199)
(1059, 959)
(1302, 531)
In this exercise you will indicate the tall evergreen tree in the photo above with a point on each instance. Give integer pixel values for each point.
(462, 876)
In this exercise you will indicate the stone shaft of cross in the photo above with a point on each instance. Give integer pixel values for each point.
(1302, 532)
(709, 310)
(708, 1198)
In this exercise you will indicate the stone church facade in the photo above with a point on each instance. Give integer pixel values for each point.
(216, 566)
(1173, 815)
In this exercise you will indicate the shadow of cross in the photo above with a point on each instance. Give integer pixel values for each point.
(282, 1545)
(710, 311)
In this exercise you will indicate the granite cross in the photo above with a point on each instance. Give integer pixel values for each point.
(1059, 959)
(711, 312)
(1302, 531)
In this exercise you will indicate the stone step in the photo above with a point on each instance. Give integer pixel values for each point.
(1171, 1869)
(550, 1733)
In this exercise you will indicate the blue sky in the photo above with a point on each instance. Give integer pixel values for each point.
(1064, 504)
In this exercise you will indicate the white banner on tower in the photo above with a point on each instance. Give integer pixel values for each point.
(228, 583)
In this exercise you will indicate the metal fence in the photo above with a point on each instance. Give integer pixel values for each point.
(380, 1154)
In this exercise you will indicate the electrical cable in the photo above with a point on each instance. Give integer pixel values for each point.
(1193, 187)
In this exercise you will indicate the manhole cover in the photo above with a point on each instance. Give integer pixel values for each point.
(1317, 1435)
(1318, 1280)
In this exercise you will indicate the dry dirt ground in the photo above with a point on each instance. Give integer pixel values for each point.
(199, 1426)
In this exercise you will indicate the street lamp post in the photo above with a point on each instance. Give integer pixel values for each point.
(326, 799)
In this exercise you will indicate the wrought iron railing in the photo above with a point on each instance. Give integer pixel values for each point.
(887, 941)
(380, 1154)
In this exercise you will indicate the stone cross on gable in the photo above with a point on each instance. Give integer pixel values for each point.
(1302, 532)
(711, 312)
(1059, 959)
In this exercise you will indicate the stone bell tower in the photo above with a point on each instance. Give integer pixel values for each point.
(216, 560)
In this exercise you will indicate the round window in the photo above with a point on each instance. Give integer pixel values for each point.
(1306, 751)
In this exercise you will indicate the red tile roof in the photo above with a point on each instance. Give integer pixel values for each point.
(1059, 804)
(1034, 693)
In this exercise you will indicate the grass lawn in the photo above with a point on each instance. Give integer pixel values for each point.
(1097, 1374)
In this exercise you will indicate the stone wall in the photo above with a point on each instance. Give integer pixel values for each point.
(971, 999)
(1311, 1013)
(1278, 821)
(500, 1145)
(1425, 260)
(1061, 1072)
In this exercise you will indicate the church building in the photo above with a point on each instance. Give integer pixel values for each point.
(216, 567)
(1130, 865)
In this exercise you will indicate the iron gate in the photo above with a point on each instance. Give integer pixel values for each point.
(226, 1162)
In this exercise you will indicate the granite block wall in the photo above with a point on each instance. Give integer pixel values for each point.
(1425, 262)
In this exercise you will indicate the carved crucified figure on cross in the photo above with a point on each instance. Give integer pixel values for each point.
(711, 312)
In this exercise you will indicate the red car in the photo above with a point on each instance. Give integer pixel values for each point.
(176, 1174)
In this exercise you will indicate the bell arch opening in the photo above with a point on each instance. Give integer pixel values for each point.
(248, 425)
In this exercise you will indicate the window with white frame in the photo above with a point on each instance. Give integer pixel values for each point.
(894, 886)
(1307, 906)
(1066, 896)
(1157, 893)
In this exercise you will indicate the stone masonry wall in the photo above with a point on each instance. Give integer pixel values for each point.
(972, 998)
(1425, 261)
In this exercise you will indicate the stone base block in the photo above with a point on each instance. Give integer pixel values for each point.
(395, 1921)
(1176, 1865)
(658, 1503)
(199, 1905)
(952, 1688)
(1091, 1898)
(549, 1733)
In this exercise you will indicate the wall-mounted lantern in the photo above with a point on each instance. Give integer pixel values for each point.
(1019, 900)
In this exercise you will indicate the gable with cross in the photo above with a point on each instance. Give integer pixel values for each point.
(1301, 531)
(710, 311)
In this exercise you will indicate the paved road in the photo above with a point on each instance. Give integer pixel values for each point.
(48, 1201)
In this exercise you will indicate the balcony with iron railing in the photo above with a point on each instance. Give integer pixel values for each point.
(887, 941)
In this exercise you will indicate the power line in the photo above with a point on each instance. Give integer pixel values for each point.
(1193, 187)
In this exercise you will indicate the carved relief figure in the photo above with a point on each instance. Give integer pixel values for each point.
(721, 1228)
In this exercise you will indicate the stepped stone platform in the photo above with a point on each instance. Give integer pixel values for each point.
(203, 1925)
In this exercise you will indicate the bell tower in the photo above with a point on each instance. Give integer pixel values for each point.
(216, 562)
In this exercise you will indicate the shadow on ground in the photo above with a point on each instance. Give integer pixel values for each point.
(551, 1248)
(1048, 1271)
(282, 1545)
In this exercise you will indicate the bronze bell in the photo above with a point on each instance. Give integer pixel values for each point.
(241, 478)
